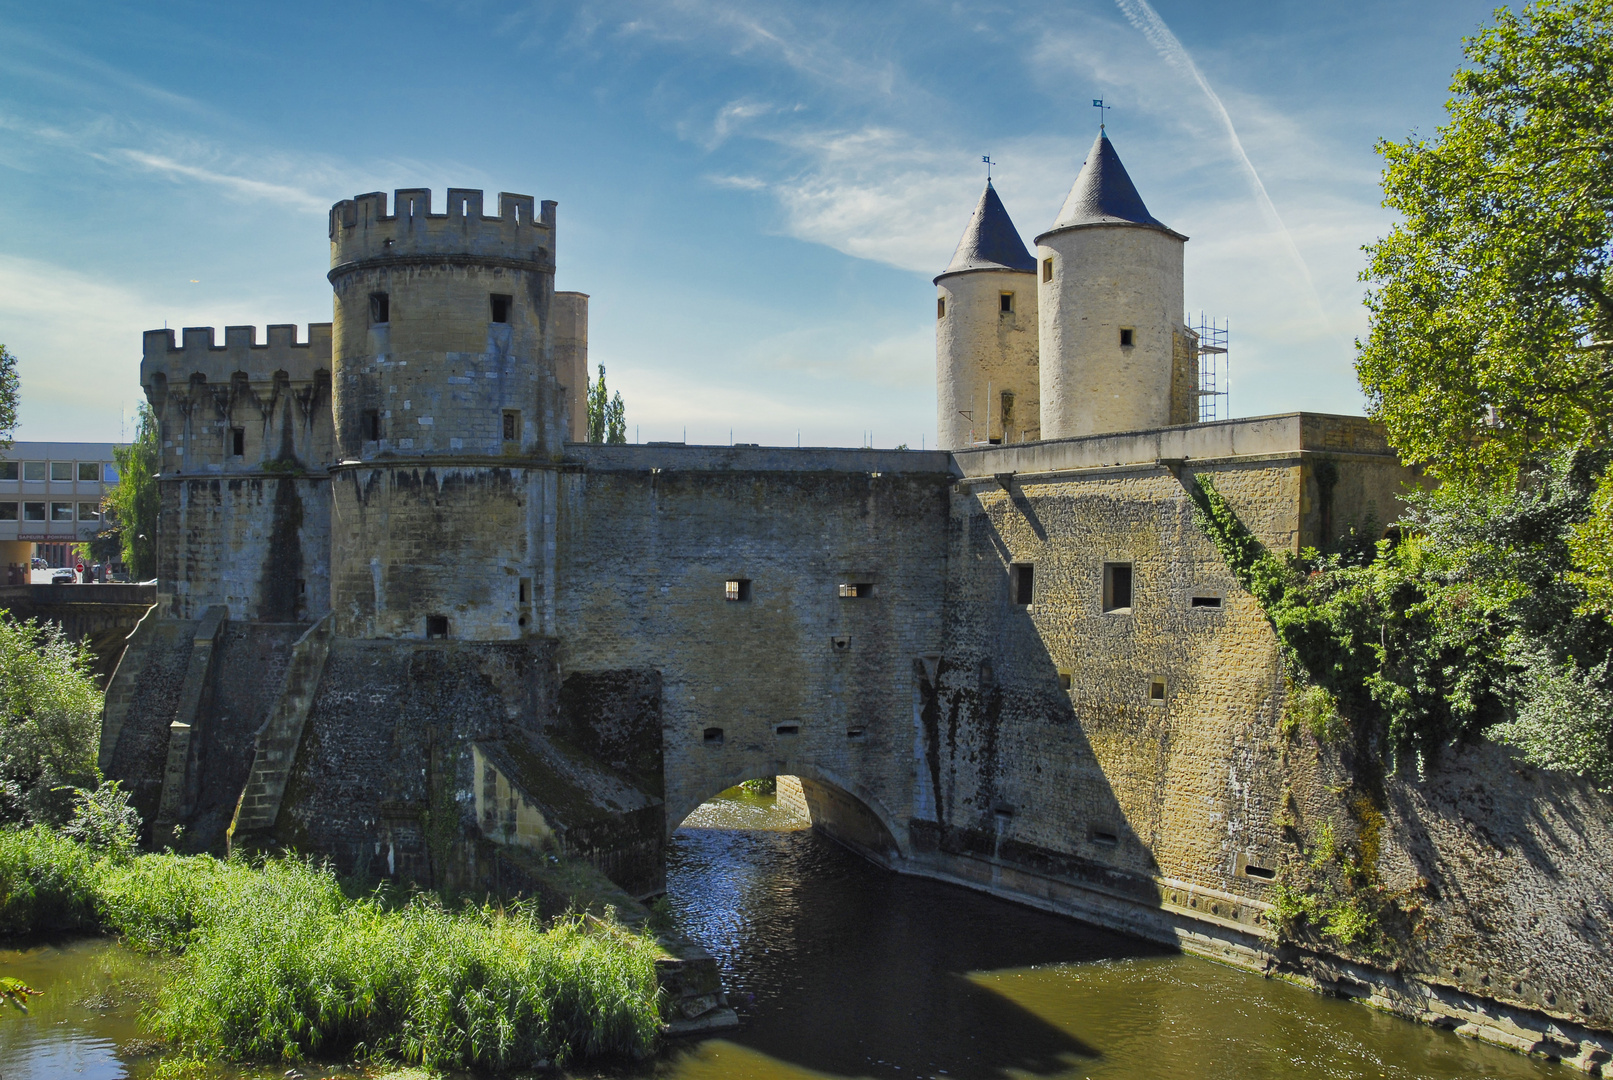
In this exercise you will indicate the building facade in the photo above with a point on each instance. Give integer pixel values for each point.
(50, 500)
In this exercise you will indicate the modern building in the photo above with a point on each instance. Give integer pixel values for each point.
(50, 498)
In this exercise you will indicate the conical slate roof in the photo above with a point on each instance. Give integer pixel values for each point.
(990, 242)
(1103, 194)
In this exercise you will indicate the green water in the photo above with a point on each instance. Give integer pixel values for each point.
(840, 969)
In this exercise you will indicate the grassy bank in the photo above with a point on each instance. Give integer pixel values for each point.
(279, 964)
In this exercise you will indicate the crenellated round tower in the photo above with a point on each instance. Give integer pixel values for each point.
(1115, 354)
(986, 335)
(449, 416)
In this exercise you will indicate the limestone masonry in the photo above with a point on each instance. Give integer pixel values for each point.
(407, 620)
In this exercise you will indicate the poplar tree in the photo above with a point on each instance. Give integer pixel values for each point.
(607, 418)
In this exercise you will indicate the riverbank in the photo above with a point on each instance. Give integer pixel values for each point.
(276, 962)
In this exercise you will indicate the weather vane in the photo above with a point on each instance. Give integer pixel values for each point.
(1097, 103)
(989, 164)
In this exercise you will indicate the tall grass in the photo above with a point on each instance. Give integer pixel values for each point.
(279, 964)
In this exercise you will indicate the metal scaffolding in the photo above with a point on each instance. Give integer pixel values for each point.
(1215, 369)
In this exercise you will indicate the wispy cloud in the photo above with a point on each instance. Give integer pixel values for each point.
(243, 186)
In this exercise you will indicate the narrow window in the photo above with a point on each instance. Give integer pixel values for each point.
(787, 729)
(237, 442)
(736, 589)
(370, 425)
(8, 470)
(1007, 301)
(380, 308)
(526, 590)
(855, 733)
(1265, 873)
(512, 425)
(501, 308)
(1117, 587)
(1125, 335)
(302, 587)
(88, 472)
(1206, 601)
(713, 736)
(1105, 837)
(1047, 269)
(436, 626)
(1007, 410)
(1022, 579)
(940, 307)
(857, 590)
(1156, 691)
(1065, 680)
(61, 470)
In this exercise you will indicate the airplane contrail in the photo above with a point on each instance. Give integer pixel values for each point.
(1142, 15)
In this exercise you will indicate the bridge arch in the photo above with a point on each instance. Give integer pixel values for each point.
(843, 808)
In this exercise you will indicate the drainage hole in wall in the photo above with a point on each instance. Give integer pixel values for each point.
(1101, 837)
(787, 729)
(1266, 872)
(1206, 601)
(854, 733)
(713, 735)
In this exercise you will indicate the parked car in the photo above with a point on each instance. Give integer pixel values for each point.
(63, 576)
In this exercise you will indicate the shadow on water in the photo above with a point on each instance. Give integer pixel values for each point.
(840, 968)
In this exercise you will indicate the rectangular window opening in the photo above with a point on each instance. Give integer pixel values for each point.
(33, 470)
(370, 425)
(1066, 680)
(237, 442)
(1105, 837)
(302, 587)
(61, 470)
(1125, 335)
(436, 626)
(88, 472)
(736, 589)
(787, 729)
(940, 307)
(1047, 269)
(512, 425)
(380, 308)
(855, 733)
(859, 590)
(1007, 301)
(1206, 601)
(86, 511)
(8, 511)
(61, 511)
(526, 590)
(1265, 873)
(33, 511)
(501, 308)
(1117, 587)
(8, 470)
(1022, 580)
(1156, 691)
(713, 736)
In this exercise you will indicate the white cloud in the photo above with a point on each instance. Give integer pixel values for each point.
(242, 186)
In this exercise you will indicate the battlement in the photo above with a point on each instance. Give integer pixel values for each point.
(521, 232)
(196, 353)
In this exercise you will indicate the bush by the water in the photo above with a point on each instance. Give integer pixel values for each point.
(279, 963)
(50, 722)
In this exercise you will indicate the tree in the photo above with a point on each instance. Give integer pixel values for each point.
(133, 503)
(607, 419)
(50, 722)
(9, 389)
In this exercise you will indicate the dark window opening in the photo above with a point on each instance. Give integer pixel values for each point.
(1022, 581)
(512, 425)
(1007, 301)
(436, 626)
(736, 589)
(380, 307)
(1264, 872)
(940, 307)
(713, 735)
(237, 442)
(1156, 691)
(501, 308)
(1047, 269)
(854, 733)
(840, 644)
(526, 590)
(302, 587)
(1206, 601)
(1117, 587)
(370, 425)
(1065, 681)
(1101, 836)
(787, 729)
(1125, 335)
(856, 590)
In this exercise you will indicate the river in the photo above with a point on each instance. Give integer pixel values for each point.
(841, 969)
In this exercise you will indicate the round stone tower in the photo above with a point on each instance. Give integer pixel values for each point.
(1114, 352)
(985, 335)
(449, 417)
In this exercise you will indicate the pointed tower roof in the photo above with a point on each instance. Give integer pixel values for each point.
(1104, 194)
(990, 242)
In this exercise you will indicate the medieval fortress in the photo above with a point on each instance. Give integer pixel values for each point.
(408, 621)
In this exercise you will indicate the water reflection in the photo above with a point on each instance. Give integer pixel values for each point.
(839, 968)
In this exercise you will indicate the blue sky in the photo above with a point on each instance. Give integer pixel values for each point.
(756, 195)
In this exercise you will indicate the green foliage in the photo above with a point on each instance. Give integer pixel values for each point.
(607, 418)
(50, 721)
(1590, 544)
(1491, 339)
(104, 821)
(280, 964)
(132, 504)
(16, 991)
(761, 785)
(10, 396)
(1332, 896)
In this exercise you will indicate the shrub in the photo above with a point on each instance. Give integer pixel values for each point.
(50, 722)
(47, 882)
